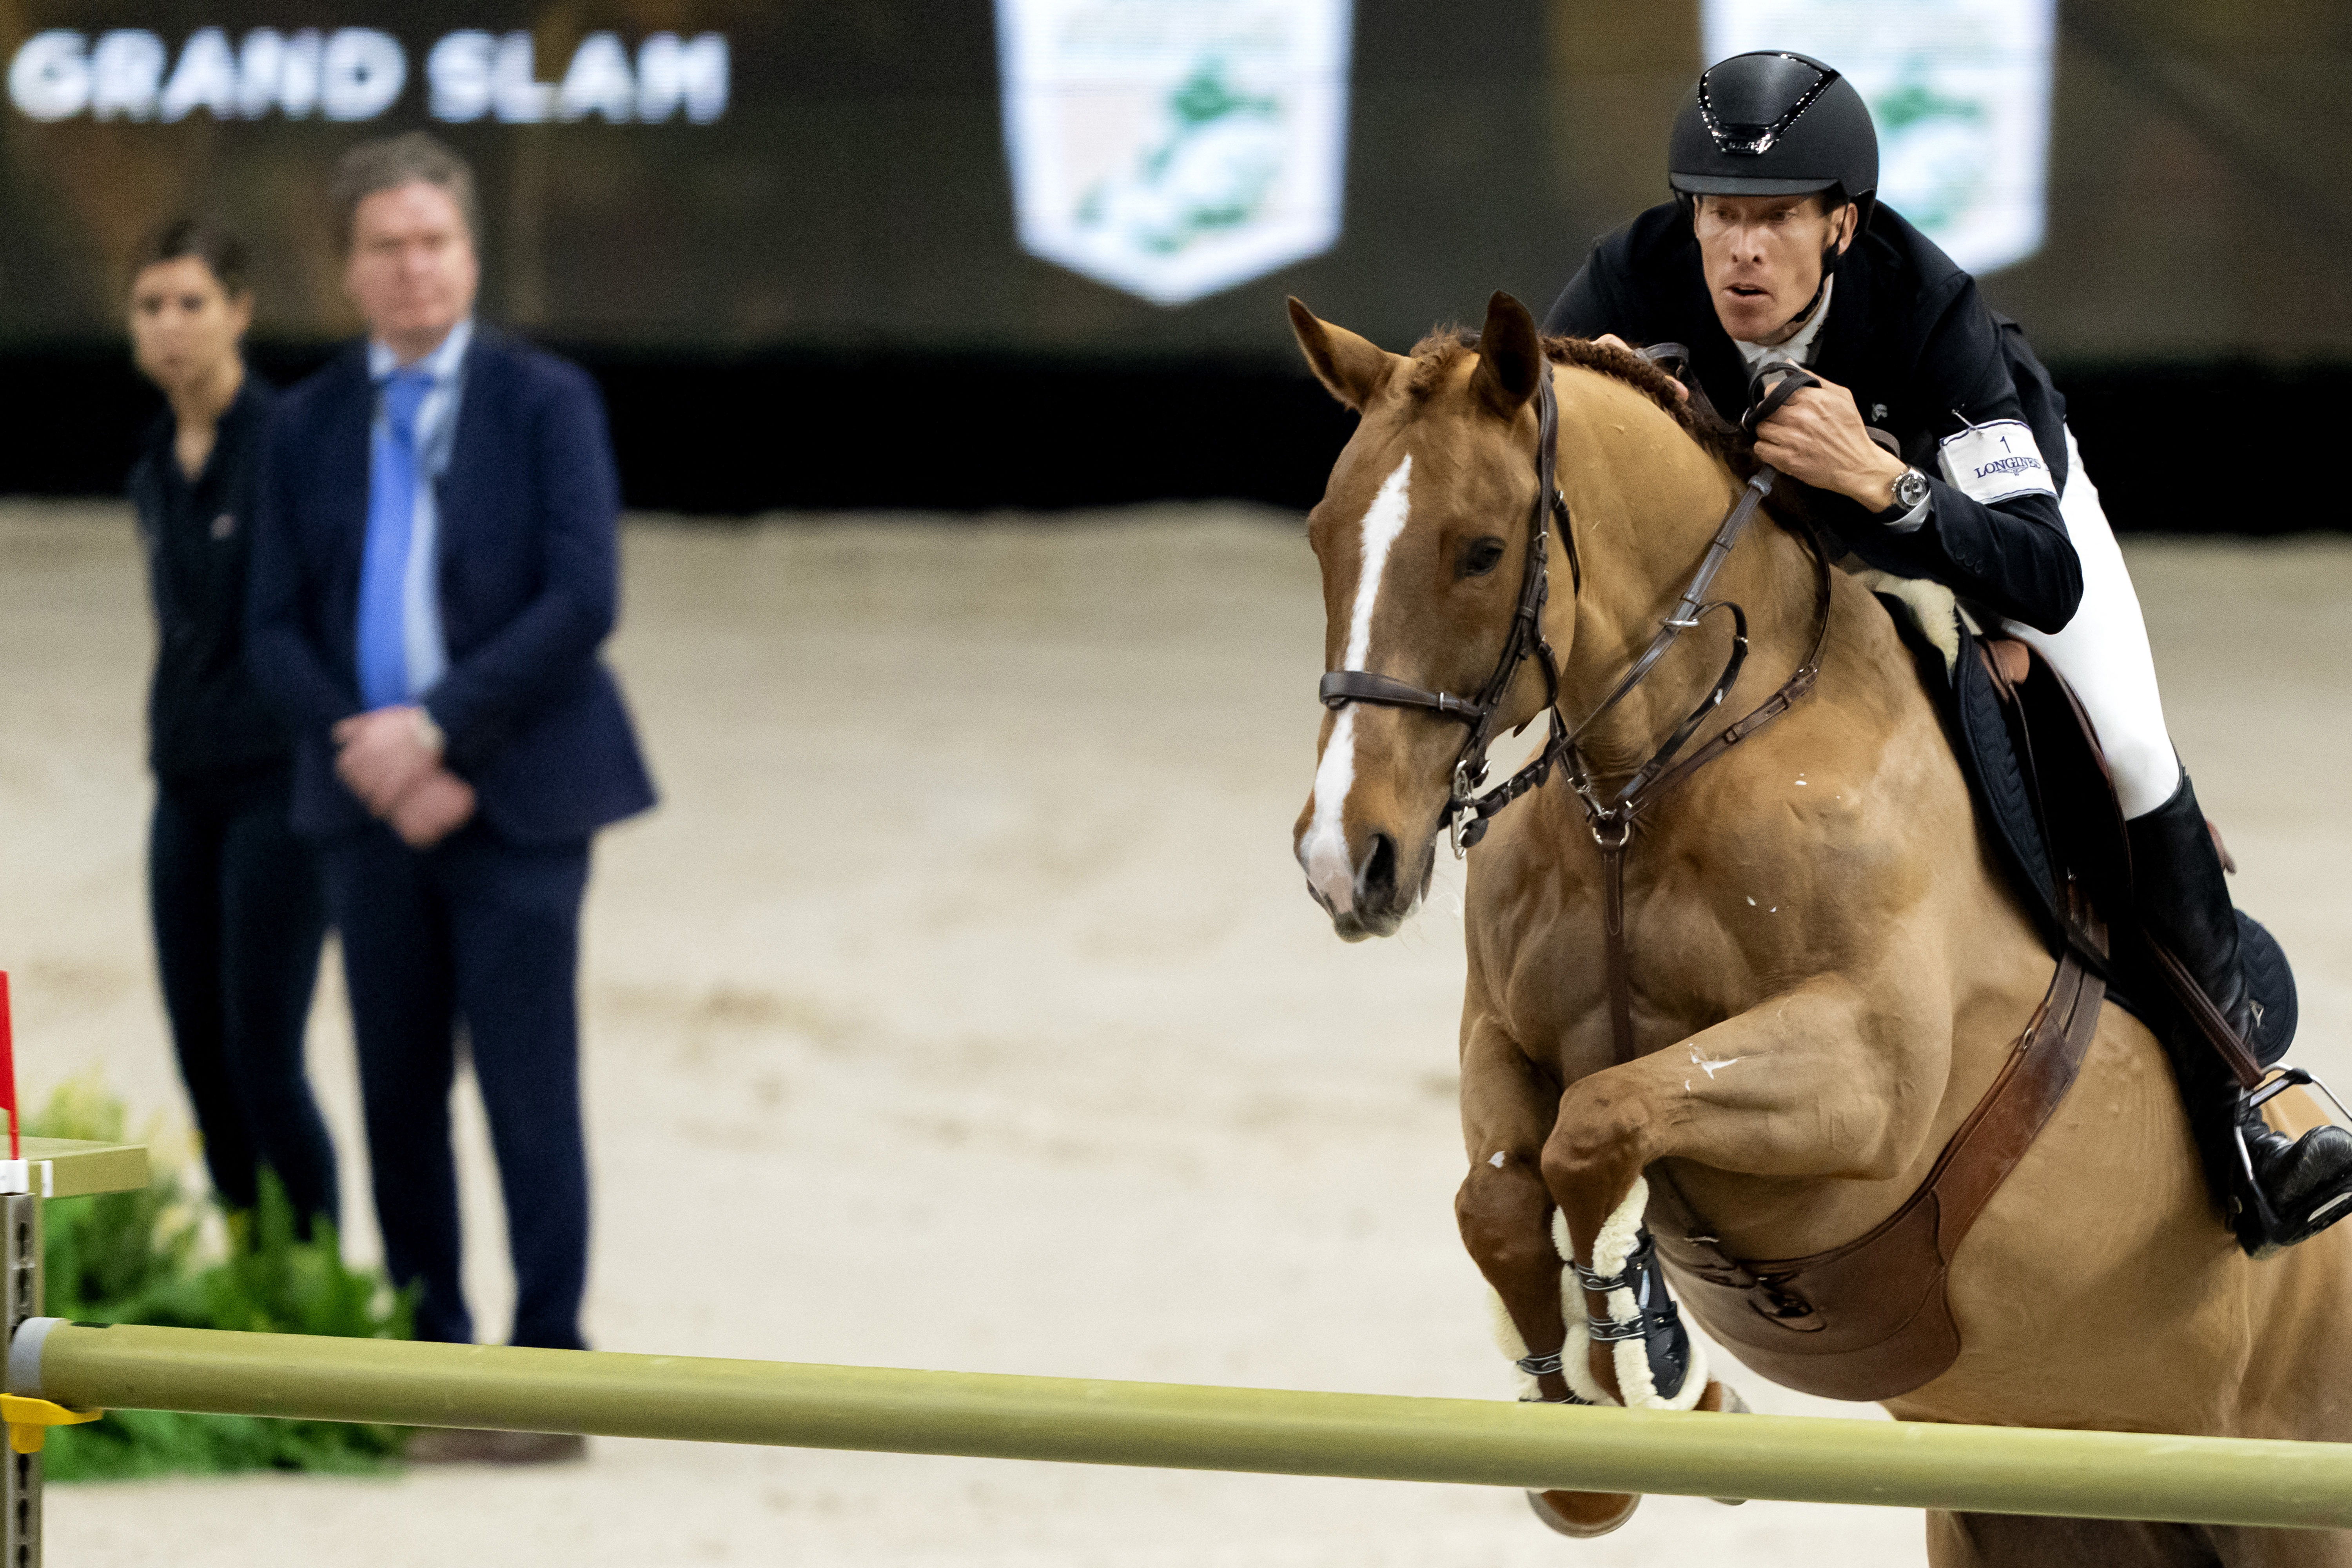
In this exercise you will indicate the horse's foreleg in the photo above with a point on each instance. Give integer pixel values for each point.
(1808, 1084)
(1505, 1212)
(1510, 1227)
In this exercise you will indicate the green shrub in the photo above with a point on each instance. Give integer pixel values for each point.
(135, 1258)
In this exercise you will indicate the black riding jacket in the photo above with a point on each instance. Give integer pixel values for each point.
(204, 715)
(1925, 357)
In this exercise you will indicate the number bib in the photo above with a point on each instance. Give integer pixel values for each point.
(1995, 462)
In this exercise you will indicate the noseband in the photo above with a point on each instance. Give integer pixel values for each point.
(1466, 811)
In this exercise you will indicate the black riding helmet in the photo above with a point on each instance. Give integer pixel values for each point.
(1772, 123)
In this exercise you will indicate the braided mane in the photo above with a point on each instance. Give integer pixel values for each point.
(1436, 356)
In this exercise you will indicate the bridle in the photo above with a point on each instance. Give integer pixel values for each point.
(1612, 819)
(1466, 811)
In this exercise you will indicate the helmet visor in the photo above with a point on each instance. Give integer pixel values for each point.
(1745, 185)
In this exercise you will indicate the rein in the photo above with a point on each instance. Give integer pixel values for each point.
(1467, 812)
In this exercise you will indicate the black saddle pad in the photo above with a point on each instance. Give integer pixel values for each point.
(2008, 809)
(2045, 803)
(2272, 981)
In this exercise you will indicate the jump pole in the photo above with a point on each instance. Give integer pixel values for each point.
(1994, 1470)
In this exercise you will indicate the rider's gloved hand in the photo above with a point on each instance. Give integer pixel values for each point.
(1817, 437)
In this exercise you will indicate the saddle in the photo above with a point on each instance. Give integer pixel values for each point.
(1869, 1319)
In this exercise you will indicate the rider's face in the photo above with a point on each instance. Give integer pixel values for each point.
(1762, 256)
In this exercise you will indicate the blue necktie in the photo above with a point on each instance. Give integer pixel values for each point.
(392, 479)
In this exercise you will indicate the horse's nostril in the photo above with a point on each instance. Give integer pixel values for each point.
(1377, 880)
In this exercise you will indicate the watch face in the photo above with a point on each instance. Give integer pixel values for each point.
(1911, 488)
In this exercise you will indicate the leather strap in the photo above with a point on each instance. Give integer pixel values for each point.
(1997, 1133)
(2207, 1018)
(1613, 823)
(1876, 1302)
(1769, 390)
(1342, 687)
(1693, 604)
(1675, 359)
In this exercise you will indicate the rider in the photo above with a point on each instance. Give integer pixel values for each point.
(1776, 248)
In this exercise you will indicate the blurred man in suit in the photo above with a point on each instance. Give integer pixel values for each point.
(434, 570)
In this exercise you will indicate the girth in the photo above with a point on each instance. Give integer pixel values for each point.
(1869, 1319)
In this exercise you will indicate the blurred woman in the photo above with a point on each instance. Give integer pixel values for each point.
(238, 911)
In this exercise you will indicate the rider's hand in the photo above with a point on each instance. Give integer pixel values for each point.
(1817, 437)
(1612, 341)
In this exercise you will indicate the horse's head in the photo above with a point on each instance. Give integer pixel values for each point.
(1422, 533)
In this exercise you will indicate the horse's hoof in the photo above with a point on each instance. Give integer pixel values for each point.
(1584, 1514)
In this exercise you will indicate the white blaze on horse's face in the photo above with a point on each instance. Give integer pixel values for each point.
(1323, 851)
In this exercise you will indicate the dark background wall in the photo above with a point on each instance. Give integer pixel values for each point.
(820, 300)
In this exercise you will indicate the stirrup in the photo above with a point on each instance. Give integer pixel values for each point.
(2260, 1230)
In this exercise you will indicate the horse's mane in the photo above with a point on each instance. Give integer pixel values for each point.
(1438, 354)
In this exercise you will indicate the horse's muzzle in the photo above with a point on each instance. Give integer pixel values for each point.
(1378, 899)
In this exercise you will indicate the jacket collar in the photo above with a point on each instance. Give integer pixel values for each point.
(1847, 330)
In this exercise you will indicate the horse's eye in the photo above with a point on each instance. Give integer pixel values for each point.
(1480, 556)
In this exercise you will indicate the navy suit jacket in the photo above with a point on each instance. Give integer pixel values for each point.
(528, 574)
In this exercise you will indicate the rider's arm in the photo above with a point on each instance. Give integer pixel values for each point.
(2008, 552)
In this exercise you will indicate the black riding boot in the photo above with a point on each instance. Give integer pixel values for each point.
(2306, 1183)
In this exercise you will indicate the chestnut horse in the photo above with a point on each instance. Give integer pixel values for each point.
(1827, 970)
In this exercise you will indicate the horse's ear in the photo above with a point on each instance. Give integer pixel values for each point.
(1353, 368)
(1510, 357)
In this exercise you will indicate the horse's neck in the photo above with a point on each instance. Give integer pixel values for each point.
(1642, 531)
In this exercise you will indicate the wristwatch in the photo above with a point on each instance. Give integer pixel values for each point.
(1910, 489)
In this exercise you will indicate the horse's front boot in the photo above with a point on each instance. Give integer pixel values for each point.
(1637, 1329)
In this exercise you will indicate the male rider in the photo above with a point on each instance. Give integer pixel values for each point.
(1775, 247)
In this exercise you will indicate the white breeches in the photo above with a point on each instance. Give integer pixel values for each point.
(2102, 653)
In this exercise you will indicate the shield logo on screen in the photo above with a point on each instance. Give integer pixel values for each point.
(1960, 92)
(1175, 148)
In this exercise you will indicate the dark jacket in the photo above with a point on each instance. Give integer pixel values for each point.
(205, 715)
(1909, 334)
(530, 588)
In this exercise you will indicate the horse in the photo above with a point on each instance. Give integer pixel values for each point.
(1824, 968)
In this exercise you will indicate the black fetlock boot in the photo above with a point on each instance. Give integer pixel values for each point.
(2299, 1186)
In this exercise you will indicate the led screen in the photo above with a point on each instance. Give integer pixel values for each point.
(1144, 180)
